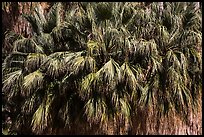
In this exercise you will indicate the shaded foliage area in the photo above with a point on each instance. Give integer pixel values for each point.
(106, 68)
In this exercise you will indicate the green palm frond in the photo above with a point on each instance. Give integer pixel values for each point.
(180, 92)
(146, 96)
(128, 77)
(191, 18)
(11, 37)
(53, 18)
(145, 48)
(47, 42)
(190, 39)
(70, 14)
(61, 32)
(42, 118)
(34, 61)
(93, 48)
(39, 15)
(27, 45)
(14, 60)
(31, 103)
(164, 34)
(121, 107)
(83, 21)
(54, 66)
(68, 58)
(173, 60)
(96, 111)
(110, 73)
(125, 107)
(37, 20)
(32, 82)
(85, 64)
(156, 64)
(120, 68)
(12, 83)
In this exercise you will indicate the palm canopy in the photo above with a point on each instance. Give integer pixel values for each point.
(104, 64)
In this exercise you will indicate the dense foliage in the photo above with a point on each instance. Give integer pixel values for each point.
(106, 68)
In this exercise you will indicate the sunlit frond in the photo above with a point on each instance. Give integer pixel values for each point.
(146, 96)
(42, 118)
(32, 82)
(125, 107)
(87, 85)
(110, 73)
(54, 66)
(156, 64)
(85, 64)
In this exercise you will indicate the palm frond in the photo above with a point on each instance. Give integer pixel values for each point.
(10, 38)
(96, 111)
(27, 45)
(47, 42)
(31, 103)
(128, 77)
(85, 64)
(145, 48)
(53, 18)
(125, 108)
(146, 96)
(34, 61)
(64, 113)
(61, 33)
(87, 85)
(173, 60)
(32, 82)
(54, 66)
(12, 84)
(156, 64)
(40, 17)
(110, 73)
(42, 118)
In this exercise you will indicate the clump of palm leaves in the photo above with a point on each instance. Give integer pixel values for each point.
(110, 65)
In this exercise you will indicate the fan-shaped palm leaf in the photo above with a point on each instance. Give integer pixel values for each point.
(34, 61)
(41, 118)
(32, 82)
(27, 45)
(110, 73)
(12, 84)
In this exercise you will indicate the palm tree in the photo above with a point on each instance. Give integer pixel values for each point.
(107, 68)
(13, 23)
